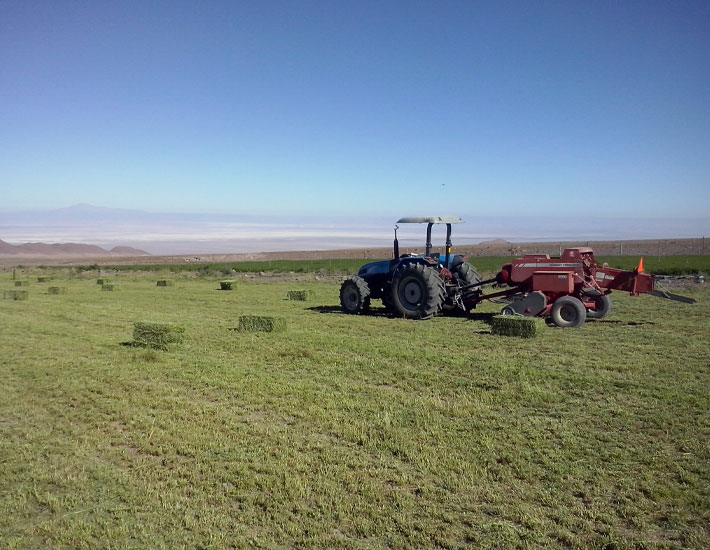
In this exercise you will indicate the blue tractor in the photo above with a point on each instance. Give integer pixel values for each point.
(414, 286)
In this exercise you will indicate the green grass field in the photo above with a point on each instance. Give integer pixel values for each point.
(660, 265)
(346, 431)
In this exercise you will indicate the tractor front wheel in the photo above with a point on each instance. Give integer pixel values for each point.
(602, 307)
(417, 292)
(467, 274)
(387, 300)
(354, 296)
(568, 312)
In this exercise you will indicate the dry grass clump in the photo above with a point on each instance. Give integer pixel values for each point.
(101, 281)
(298, 295)
(22, 283)
(57, 290)
(110, 286)
(258, 323)
(227, 284)
(43, 279)
(15, 294)
(517, 325)
(165, 282)
(156, 335)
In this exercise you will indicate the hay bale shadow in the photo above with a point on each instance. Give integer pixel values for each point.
(130, 344)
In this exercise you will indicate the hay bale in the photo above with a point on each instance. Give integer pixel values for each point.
(227, 284)
(57, 290)
(15, 294)
(156, 335)
(110, 286)
(22, 283)
(257, 323)
(44, 279)
(517, 325)
(165, 282)
(101, 281)
(298, 295)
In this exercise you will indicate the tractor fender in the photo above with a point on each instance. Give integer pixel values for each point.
(404, 262)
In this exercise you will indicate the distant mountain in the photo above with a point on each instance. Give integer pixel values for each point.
(128, 251)
(495, 242)
(66, 249)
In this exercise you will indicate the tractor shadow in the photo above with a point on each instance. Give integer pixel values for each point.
(372, 312)
(486, 318)
(622, 323)
(483, 317)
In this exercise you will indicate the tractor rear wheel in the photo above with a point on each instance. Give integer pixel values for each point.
(417, 292)
(466, 275)
(603, 307)
(568, 312)
(355, 296)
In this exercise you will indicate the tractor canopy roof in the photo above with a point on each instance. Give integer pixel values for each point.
(431, 219)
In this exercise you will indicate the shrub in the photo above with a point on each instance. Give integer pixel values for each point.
(101, 281)
(110, 286)
(22, 283)
(227, 285)
(165, 282)
(256, 323)
(517, 325)
(43, 279)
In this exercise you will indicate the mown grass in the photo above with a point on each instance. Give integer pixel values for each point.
(347, 431)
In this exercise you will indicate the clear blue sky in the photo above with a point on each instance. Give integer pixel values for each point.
(385, 108)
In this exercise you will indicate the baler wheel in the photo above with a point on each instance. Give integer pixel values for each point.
(354, 296)
(568, 312)
(417, 292)
(603, 303)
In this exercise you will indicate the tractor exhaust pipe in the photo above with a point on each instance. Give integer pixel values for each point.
(396, 243)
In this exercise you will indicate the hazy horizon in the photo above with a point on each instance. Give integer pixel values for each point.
(200, 233)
